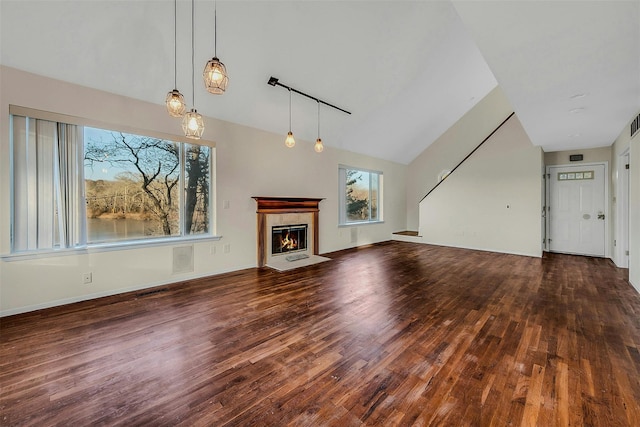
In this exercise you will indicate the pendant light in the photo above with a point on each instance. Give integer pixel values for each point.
(289, 141)
(192, 123)
(318, 147)
(175, 100)
(215, 74)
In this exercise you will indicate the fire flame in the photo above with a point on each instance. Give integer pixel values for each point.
(288, 243)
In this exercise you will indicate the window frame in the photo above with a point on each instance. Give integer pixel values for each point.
(342, 196)
(84, 246)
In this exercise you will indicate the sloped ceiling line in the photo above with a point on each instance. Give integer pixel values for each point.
(407, 69)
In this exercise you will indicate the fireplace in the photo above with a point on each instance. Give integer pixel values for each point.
(278, 216)
(288, 238)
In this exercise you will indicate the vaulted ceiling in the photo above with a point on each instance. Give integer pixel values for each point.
(407, 70)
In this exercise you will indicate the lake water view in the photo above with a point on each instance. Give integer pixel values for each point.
(106, 230)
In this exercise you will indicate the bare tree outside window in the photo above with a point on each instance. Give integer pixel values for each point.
(137, 190)
(197, 163)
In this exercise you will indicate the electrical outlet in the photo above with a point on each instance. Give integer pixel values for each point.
(212, 249)
(227, 248)
(87, 278)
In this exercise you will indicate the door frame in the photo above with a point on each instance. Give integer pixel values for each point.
(607, 251)
(622, 211)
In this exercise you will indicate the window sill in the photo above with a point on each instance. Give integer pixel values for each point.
(351, 224)
(106, 247)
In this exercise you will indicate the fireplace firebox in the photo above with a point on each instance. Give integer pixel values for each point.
(288, 238)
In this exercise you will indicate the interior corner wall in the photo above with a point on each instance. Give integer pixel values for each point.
(634, 212)
(625, 144)
(493, 201)
(451, 147)
(248, 163)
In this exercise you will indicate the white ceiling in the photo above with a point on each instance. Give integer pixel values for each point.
(571, 69)
(407, 70)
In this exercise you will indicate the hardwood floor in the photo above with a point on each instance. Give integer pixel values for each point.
(393, 334)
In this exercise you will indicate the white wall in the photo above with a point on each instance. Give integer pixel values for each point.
(453, 146)
(249, 163)
(493, 201)
(591, 155)
(622, 144)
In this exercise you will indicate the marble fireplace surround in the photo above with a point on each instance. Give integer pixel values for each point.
(273, 211)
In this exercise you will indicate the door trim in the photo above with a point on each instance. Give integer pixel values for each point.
(622, 208)
(607, 207)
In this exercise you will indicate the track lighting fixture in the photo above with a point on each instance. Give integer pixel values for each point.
(273, 81)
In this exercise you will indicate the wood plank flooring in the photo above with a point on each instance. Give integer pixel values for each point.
(396, 334)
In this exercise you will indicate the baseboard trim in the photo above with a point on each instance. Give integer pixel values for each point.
(96, 295)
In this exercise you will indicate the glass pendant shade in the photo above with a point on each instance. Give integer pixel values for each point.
(193, 125)
(289, 141)
(175, 103)
(215, 76)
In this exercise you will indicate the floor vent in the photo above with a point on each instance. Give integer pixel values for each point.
(151, 292)
(635, 125)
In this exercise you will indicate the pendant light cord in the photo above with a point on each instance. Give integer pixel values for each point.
(215, 30)
(318, 120)
(175, 44)
(289, 110)
(193, 84)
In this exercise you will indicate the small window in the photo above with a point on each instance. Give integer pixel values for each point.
(360, 195)
(564, 176)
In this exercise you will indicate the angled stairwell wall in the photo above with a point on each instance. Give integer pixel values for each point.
(493, 201)
(470, 209)
(452, 146)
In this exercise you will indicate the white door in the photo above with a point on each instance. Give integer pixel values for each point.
(576, 209)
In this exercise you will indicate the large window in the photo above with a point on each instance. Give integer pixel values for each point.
(360, 195)
(76, 185)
